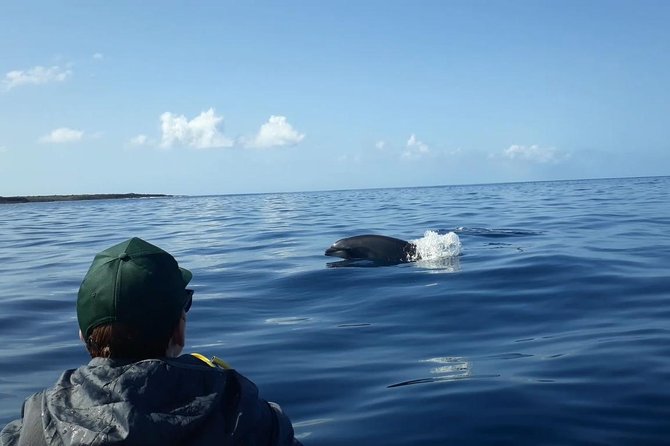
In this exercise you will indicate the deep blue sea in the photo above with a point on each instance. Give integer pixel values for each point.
(552, 326)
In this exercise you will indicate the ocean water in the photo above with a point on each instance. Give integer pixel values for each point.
(551, 327)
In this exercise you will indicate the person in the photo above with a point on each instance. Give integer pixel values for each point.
(137, 389)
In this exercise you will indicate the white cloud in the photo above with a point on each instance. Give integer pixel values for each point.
(534, 154)
(381, 144)
(98, 56)
(3, 149)
(139, 140)
(35, 76)
(62, 135)
(200, 132)
(415, 148)
(277, 132)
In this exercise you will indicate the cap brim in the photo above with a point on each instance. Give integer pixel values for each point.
(186, 275)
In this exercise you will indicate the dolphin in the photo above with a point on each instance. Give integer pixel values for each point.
(378, 248)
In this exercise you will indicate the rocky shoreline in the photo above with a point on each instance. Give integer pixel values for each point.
(48, 198)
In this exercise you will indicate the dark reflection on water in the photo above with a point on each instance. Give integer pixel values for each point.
(552, 327)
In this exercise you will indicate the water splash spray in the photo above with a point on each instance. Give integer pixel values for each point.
(433, 246)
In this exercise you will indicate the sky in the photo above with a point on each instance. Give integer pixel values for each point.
(223, 97)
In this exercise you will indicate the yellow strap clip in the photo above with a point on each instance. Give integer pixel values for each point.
(214, 362)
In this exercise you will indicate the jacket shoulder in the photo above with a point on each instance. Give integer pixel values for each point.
(28, 430)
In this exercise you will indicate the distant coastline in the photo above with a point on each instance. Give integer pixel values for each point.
(48, 198)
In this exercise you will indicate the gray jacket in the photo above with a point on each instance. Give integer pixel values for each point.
(151, 402)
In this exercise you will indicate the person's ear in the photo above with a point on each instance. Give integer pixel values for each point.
(178, 338)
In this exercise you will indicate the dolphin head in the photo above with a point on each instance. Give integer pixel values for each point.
(347, 249)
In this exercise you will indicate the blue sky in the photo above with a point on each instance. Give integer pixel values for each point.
(253, 96)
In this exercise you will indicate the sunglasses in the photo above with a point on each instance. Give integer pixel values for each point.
(189, 300)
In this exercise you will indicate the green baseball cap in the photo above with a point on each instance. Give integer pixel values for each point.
(135, 283)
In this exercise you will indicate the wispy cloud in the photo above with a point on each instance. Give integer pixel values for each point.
(277, 132)
(139, 140)
(35, 76)
(381, 144)
(534, 154)
(62, 135)
(201, 132)
(415, 148)
(98, 56)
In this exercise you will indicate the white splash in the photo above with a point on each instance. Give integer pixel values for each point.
(433, 246)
